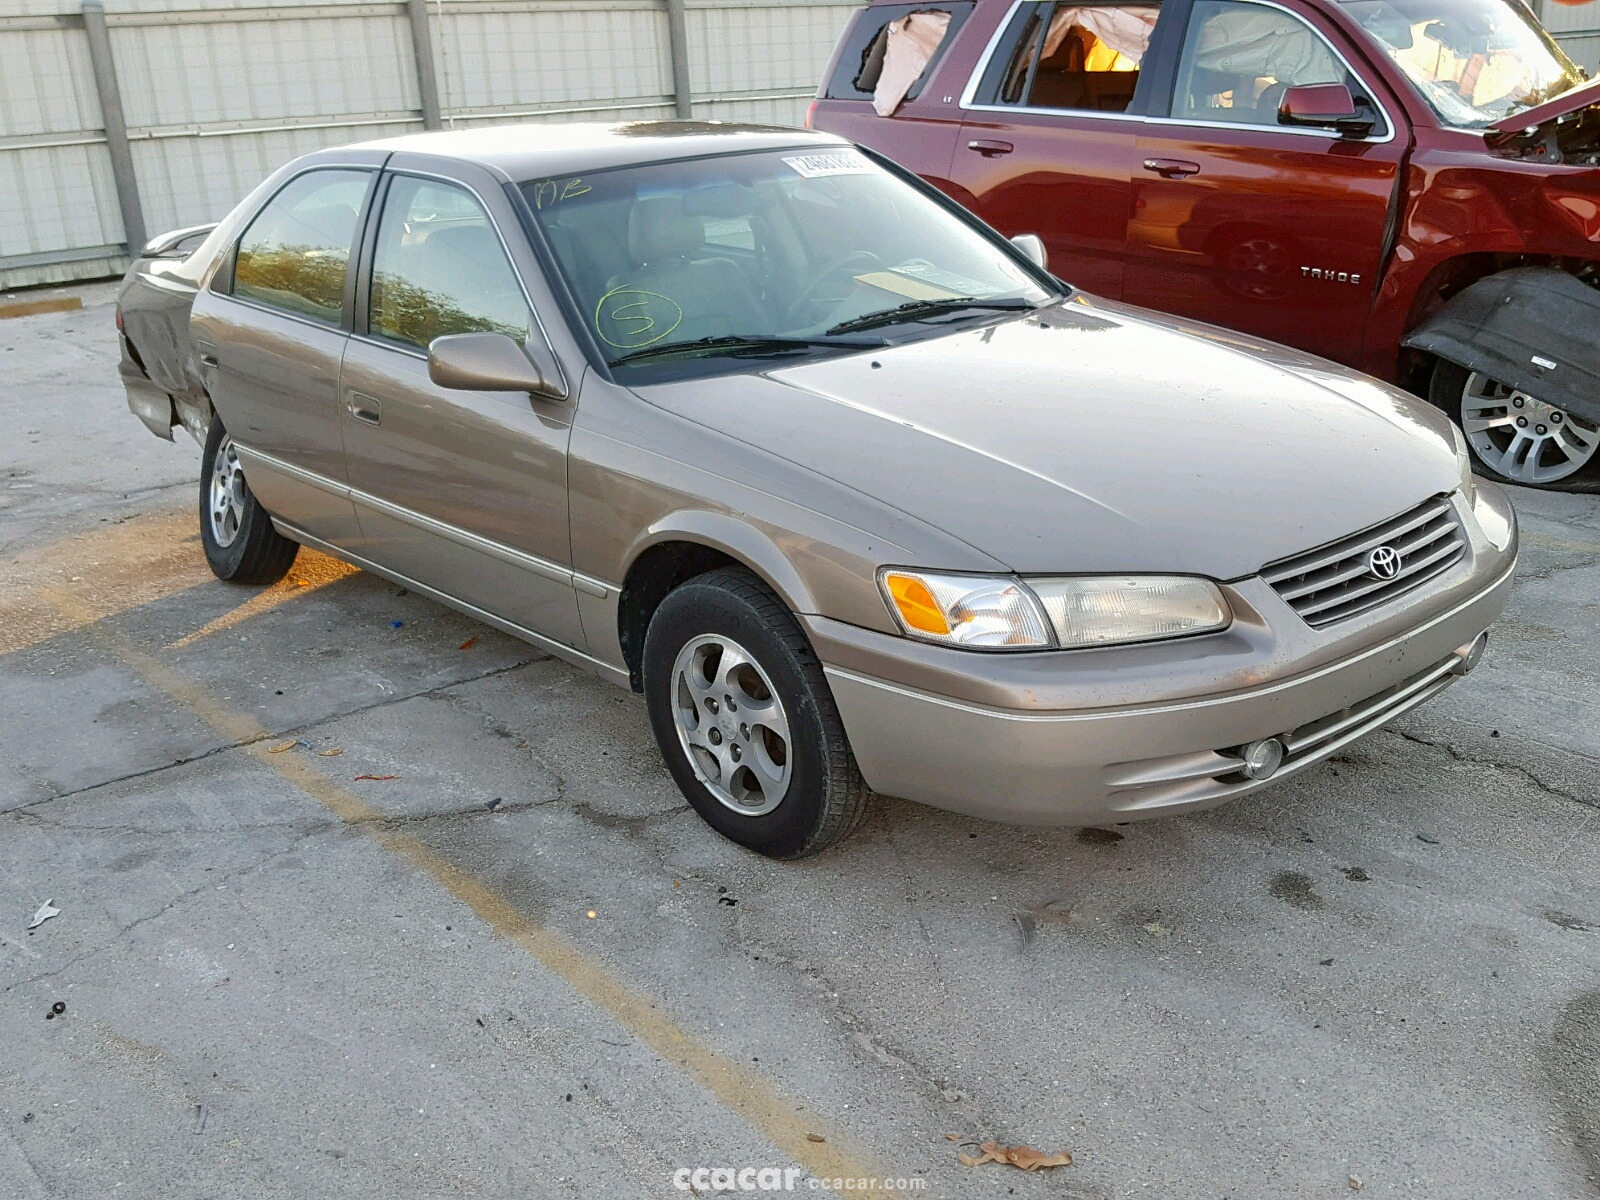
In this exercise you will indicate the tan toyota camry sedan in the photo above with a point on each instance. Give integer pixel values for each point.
(857, 494)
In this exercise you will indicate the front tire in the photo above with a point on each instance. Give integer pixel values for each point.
(745, 719)
(240, 542)
(1515, 437)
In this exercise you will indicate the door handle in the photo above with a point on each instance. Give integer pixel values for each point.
(364, 408)
(1172, 168)
(990, 148)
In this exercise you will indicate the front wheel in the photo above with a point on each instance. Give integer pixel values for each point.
(240, 542)
(745, 719)
(1514, 436)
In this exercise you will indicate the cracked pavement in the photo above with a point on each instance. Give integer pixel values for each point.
(1387, 969)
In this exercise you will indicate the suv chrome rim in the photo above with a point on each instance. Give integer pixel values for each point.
(227, 493)
(1522, 437)
(731, 724)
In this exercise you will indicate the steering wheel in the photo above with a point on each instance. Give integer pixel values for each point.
(812, 291)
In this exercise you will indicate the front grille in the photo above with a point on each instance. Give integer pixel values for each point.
(1334, 582)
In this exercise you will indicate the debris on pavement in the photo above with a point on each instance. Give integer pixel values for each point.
(333, 753)
(396, 624)
(1025, 1157)
(1355, 1183)
(469, 643)
(199, 1118)
(59, 1007)
(378, 778)
(282, 746)
(493, 804)
(46, 911)
(815, 1137)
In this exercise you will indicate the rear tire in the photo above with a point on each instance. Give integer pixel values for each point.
(1550, 449)
(745, 719)
(240, 542)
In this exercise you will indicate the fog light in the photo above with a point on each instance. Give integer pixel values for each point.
(1467, 656)
(1263, 758)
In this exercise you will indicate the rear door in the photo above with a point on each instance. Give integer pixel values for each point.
(1244, 222)
(270, 333)
(464, 492)
(1052, 121)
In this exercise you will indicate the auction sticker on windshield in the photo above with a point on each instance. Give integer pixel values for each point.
(814, 166)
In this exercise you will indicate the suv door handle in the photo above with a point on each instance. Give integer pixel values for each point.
(1172, 168)
(990, 148)
(364, 408)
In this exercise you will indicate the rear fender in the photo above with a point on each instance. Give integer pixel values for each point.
(1533, 328)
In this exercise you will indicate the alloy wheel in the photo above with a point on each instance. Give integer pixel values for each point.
(731, 724)
(1521, 437)
(227, 493)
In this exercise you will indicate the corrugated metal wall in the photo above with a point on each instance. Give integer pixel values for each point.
(218, 93)
(1577, 28)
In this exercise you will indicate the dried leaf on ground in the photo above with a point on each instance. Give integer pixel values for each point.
(954, 1137)
(1025, 1157)
(815, 1137)
(334, 753)
(282, 746)
(469, 643)
(378, 778)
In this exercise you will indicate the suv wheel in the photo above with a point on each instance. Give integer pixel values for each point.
(745, 719)
(1516, 437)
(239, 539)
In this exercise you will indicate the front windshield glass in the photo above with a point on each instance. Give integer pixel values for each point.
(1474, 61)
(780, 253)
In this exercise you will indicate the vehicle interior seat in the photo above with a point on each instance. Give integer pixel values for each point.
(670, 259)
(459, 279)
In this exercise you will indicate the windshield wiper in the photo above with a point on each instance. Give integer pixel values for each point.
(745, 346)
(915, 310)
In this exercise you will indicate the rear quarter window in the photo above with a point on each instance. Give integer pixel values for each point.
(861, 56)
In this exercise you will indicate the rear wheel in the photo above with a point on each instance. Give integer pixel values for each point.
(1516, 437)
(240, 542)
(745, 719)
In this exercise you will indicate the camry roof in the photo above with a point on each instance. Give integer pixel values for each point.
(532, 151)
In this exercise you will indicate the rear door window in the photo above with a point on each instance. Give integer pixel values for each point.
(295, 255)
(861, 59)
(1072, 57)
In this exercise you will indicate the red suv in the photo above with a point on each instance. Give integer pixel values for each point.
(1405, 186)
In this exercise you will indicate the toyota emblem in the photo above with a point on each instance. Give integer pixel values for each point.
(1384, 563)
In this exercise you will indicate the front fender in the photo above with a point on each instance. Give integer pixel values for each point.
(737, 539)
(1533, 328)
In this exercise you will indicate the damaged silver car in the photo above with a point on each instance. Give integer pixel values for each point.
(856, 493)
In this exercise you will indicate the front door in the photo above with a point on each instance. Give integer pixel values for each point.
(1049, 140)
(270, 341)
(1241, 221)
(464, 492)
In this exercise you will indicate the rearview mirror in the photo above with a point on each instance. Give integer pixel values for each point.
(1032, 247)
(487, 362)
(1324, 106)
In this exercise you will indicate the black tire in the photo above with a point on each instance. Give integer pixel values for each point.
(256, 552)
(1447, 389)
(825, 799)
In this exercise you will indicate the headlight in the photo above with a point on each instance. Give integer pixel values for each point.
(1469, 486)
(985, 612)
(1130, 608)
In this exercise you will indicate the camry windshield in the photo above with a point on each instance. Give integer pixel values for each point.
(774, 254)
(1474, 61)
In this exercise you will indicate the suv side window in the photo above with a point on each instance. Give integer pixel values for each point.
(861, 56)
(296, 252)
(1079, 57)
(1238, 59)
(439, 268)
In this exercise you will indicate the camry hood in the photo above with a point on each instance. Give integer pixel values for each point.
(1088, 438)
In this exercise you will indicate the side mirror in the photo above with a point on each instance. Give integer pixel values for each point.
(487, 362)
(1032, 247)
(1324, 106)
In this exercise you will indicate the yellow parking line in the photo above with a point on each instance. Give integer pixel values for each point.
(741, 1091)
(311, 571)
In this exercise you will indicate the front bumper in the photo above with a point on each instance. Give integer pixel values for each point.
(1177, 750)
